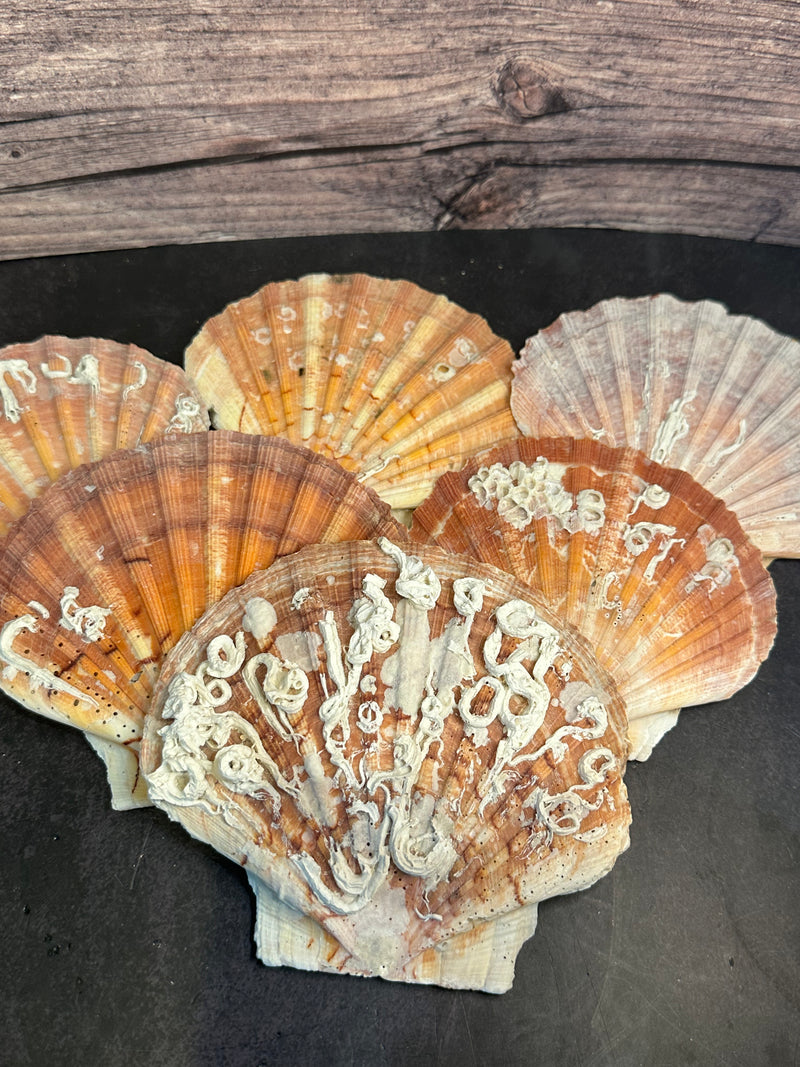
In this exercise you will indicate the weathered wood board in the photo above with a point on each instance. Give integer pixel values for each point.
(177, 121)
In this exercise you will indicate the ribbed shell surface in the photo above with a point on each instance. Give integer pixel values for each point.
(396, 383)
(690, 385)
(401, 748)
(114, 562)
(645, 562)
(68, 401)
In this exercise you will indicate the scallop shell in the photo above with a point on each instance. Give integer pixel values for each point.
(652, 568)
(115, 561)
(67, 401)
(412, 756)
(396, 383)
(689, 384)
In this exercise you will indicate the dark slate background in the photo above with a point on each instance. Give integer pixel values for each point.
(124, 941)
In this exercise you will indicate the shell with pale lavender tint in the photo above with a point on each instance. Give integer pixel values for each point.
(652, 568)
(406, 752)
(396, 383)
(114, 562)
(68, 401)
(690, 385)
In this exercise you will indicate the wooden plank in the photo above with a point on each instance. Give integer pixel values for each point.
(341, 194)
(383, 115)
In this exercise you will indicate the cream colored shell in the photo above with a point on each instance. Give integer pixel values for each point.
(690, 385)
(406, 752)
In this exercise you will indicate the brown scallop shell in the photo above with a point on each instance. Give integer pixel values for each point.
(68, 401)
(115, 561)
(689, 384)
(405, 751)
(396, 383)
(652, 568)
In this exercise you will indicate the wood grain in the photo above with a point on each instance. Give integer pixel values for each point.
(174, 121)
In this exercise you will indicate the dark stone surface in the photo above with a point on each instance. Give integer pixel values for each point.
(125, 941)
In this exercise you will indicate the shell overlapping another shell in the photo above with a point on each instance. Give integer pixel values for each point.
(690, 385)
(645, 562)
(68, 401)
(396, 383)
(406, 753)
(116, 560)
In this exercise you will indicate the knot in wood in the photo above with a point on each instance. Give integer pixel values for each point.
(526, 92)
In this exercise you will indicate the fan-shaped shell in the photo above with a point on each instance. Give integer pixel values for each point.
(116, 560)
(67, 401)
(396, 383)
(689, 384)
(407, 752)
(652, 568)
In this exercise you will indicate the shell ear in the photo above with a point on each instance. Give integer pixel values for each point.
(68, 401)
(645, 562)
(412, 756)
(397, 383)
(688, 384)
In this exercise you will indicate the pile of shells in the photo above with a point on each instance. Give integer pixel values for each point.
(408, 737)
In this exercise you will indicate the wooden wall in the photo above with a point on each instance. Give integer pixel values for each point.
(144, 123)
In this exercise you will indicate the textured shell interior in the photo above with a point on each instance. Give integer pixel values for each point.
(395, 382)
(689, 384)
(400, 748)
(118, 558)
(645, 562)
(68, 401)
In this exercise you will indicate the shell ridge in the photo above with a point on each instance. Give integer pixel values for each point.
(733, 393)
(715, 395)
(344, 341)
(362, 370)
(764, 436)
(315, 360)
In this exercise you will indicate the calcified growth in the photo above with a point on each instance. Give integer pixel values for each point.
(406, 753)
(68, 401)
(690, 385)
(396, 383)
(115, 561)
(652, 568)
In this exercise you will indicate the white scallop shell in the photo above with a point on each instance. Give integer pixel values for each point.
(688, 384)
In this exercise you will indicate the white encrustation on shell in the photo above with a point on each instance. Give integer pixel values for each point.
(688, 384)
(456, 754)
(651, 567)
(394, 382)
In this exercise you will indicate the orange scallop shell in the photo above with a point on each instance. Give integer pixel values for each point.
(67, 401)
(396, 383)
(652, 568)
(116, 560)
